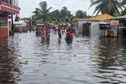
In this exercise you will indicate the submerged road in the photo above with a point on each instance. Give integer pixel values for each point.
(25, 60)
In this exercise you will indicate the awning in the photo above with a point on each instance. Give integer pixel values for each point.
(5, 7)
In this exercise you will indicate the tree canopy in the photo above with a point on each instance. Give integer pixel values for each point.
(81, 14)
(42, 12)
(111, 7)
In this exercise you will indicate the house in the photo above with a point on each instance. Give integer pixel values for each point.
(122, 25)
(93, 25)
(7, 7)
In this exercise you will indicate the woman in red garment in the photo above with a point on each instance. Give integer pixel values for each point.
(69, 35)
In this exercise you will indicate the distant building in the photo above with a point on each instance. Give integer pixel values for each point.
(96, 26)
(7, 7)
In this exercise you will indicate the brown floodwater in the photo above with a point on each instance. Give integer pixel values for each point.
(24, 59)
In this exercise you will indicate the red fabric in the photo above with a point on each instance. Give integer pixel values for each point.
(20, 29)
(69, 33)
(43, 34)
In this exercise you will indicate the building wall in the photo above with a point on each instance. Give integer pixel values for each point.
(4, 29)
(7, 7)
(79, 26)
(4, 32)
(95, 32)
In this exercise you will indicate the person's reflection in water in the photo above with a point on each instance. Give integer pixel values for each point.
(9, 66)
(43, 43)
(48, 41)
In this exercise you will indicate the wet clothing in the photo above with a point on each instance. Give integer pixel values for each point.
(43, 36)
(69, 33)
(48, 33)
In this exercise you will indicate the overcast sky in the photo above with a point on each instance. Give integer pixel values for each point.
(28, 6)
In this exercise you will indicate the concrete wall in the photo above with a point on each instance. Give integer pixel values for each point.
(79, 26)
(94, 29)
(95, 32)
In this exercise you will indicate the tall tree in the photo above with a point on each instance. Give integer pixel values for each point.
(123, 2)
(111, 7)
(80, 14)
(36, 14)
(55, 15)
(65, 14)
(42, 12)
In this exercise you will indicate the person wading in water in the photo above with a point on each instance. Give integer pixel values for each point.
(59, 34)
(69, 35)
(43, 34)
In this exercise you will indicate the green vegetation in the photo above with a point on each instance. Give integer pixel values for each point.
(112, 7)
(42, 12)
(63, 15)
(81, 14)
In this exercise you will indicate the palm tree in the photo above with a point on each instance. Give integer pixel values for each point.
(55, 15)
(123, 2)
(42, 12)
(111, 7)
(123, 12)
(65, 14)
(36, 14)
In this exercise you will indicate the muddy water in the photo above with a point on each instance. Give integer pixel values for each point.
(24, 59)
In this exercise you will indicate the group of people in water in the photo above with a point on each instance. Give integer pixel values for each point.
(45, 30)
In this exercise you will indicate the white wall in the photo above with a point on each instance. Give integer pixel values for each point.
(79, 26)
(95, 32)
(94, 29)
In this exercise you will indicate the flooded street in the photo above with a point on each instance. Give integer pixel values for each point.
(25, 60)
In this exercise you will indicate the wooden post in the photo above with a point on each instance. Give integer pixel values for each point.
(12, 27)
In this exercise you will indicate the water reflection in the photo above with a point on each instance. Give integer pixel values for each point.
(9, 67)
(59, 41)
(110, 62)
(107, 53)
(47, 42)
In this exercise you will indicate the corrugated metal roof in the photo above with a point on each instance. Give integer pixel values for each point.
(98, 18)
(102, 17)
(121, 17)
